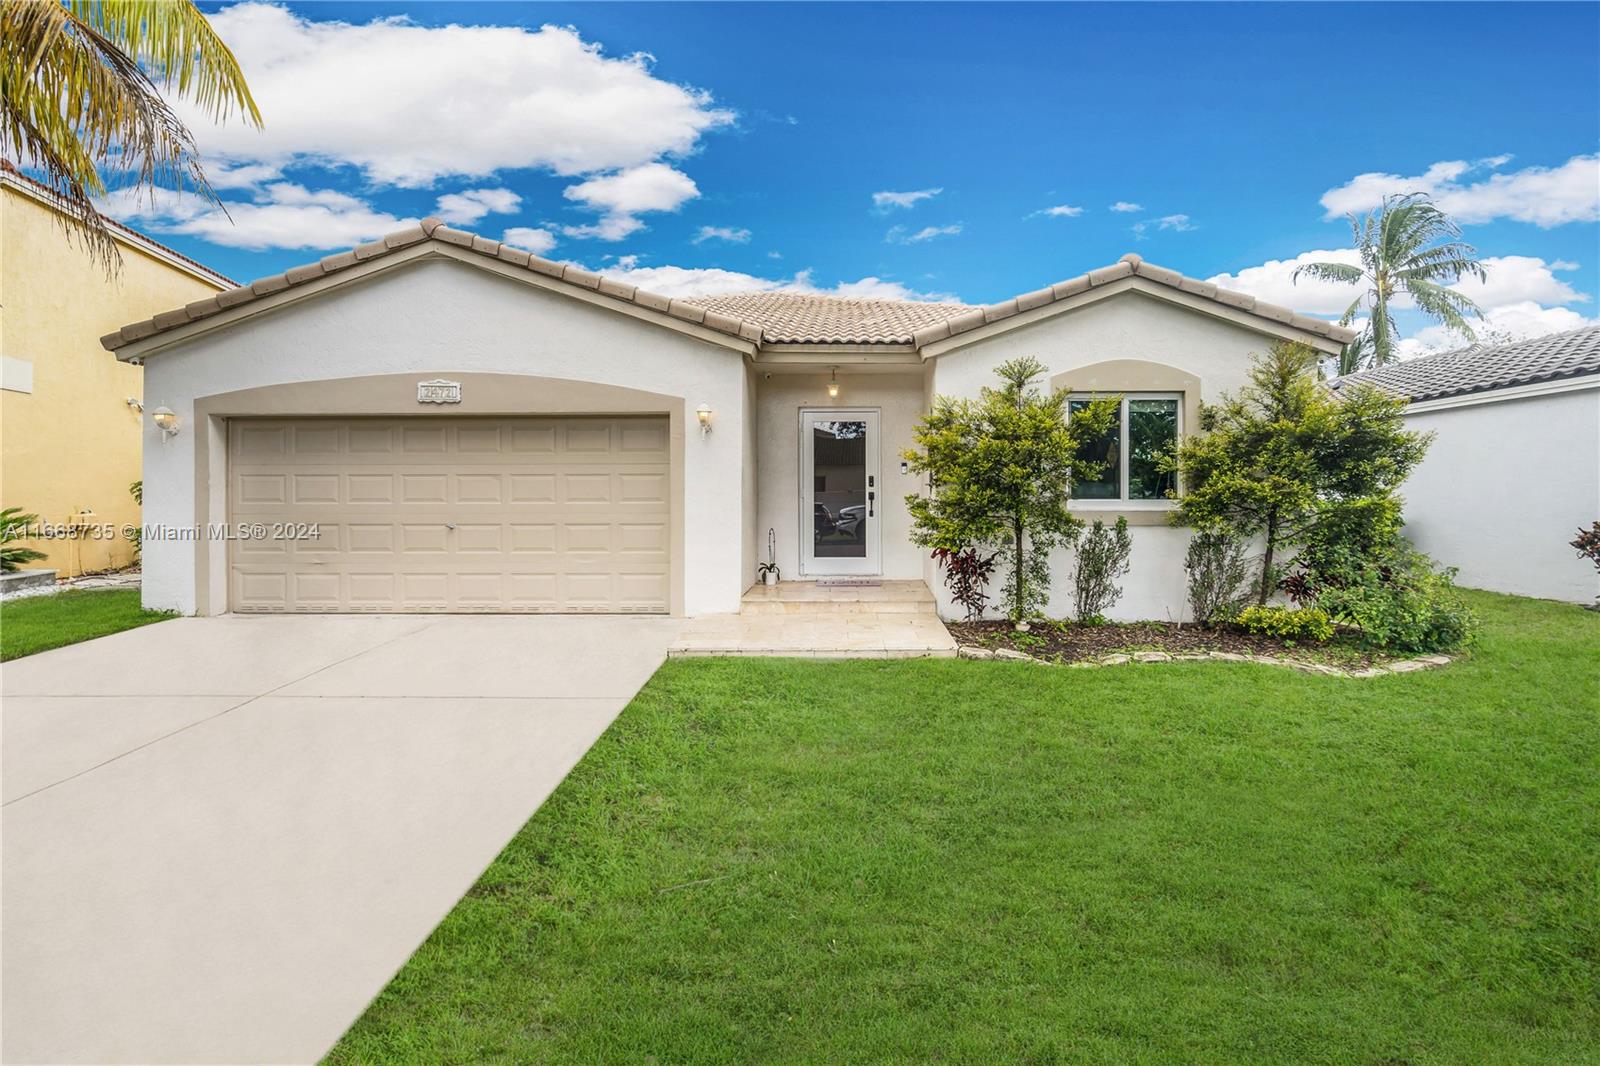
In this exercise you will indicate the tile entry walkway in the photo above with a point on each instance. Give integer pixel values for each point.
(892, 620)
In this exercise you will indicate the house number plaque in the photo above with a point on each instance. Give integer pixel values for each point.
(439, 391)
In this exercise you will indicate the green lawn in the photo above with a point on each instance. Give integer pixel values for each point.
(40, 623)
(966, 862)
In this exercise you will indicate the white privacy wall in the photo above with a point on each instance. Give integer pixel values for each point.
(1504, 489)
(1126, 326)
(437, 318)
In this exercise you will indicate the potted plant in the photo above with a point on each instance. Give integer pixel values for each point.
(767, 573)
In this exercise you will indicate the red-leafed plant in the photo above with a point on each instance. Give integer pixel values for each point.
(1588, 544)
(966, 575)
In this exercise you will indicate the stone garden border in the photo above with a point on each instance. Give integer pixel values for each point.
(1401, 666)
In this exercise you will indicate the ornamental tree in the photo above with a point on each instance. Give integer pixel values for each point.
(1285, 460)
(1000, 472)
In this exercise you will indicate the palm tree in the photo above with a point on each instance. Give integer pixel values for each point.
(80, 105)
(1408, 247)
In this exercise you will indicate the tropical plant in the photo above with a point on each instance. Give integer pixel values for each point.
(14, 526)
(136, 532)
(1284, 460)
(1000, 471)
(1102, 559)
(1215, 563)
(1395, 597)
(82, 83)
(1408, 247)
(966, 575)
(1588, 544)
(1286, 623)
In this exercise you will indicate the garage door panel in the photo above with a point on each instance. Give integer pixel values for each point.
(477, 515)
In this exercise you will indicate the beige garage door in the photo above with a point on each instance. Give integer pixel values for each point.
(439, 515)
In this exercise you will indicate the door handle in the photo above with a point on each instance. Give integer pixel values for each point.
(449, 525)
(871, 496)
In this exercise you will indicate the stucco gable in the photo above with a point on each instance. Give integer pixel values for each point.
(428, 239)
(1131, 274)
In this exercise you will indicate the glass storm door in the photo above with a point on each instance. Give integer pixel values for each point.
(840, 497)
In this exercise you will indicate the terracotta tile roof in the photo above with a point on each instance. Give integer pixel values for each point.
(1485, 367)
(427, 229)
(1128, 266)
(770, 317)
(799, 318)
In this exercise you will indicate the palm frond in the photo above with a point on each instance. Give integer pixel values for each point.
(78, 104)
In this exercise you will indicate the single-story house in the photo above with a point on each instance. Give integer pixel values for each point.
(70, 422)
(1514, 470)
(473, 428)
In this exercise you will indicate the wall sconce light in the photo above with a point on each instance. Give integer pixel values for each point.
(833, 383)
(703, 413)
(136, 403)
(166, 421)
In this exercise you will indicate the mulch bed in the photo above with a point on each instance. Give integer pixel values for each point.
(1068, 642)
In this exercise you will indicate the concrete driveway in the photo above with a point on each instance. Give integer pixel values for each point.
(222, 836)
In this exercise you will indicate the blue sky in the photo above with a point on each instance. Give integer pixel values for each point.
(747, 150)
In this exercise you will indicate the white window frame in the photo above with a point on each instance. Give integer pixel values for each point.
(1121, 502)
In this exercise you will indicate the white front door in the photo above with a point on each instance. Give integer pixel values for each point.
(840, 498)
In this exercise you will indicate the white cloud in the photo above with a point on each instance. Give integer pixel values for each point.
(900, 235)
(223, 175)
(730, 234)
(888, 201)
(1518, 279)
(1176, 223)
(284, 215)
(409, 104)
(676, 281)
(537, 241)
(1511, 279)
(469, 205)
(1124, 207)
(1059, 211)
(1544, 196)
(1273, 282)
(1517, 321)
(622, 196)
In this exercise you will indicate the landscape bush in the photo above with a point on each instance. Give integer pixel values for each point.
(1286, 623)
(1397, 599)
(1102, 559)
(1217, 573)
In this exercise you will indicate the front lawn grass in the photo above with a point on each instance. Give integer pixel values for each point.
(39, 623)
(783, 861)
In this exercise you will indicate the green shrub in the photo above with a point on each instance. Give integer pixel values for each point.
(14, 526)
(1287, 623)
(1399, 601)
(1217, 572)
(1102, 559)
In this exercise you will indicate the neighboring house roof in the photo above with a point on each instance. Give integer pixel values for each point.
(754, 318)
(1485, 367)
(801, 318)
(10, 175)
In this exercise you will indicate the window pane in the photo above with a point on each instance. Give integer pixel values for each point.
(1107, 451)
(1152, 431)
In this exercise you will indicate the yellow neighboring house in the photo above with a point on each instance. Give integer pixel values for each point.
(69, 411)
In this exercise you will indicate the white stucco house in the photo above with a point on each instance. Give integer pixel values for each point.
(1514, 470)
(473, 428)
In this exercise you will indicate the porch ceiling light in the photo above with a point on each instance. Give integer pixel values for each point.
(166, 421)
(833, 383)
(703, 412)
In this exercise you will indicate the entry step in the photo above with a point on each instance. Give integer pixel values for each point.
(808, 597)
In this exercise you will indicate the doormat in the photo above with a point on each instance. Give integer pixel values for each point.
(848, 582)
